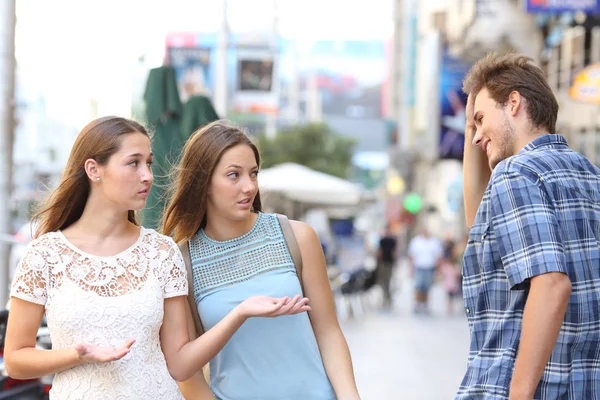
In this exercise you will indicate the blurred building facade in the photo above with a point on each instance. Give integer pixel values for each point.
(444, 41)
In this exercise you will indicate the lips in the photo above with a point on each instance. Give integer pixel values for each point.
(485, 146)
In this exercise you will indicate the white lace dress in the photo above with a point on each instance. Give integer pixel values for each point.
(105, 301)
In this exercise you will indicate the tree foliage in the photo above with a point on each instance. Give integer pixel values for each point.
(315, 146)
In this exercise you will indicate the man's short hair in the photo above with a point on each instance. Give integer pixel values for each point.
(501, 75)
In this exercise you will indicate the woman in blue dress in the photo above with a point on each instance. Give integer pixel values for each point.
(237, 252)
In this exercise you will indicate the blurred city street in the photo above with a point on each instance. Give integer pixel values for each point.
(399, 355)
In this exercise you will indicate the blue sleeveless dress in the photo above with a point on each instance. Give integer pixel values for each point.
(267, 358)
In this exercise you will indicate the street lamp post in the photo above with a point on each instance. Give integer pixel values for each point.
(7, 106)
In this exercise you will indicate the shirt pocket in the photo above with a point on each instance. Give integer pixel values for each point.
(473, 272)
(476, 247)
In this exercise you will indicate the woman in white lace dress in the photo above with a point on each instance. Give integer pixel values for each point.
(113, 292)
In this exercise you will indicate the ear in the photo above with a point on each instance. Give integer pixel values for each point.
(515, 102)
(92, 169)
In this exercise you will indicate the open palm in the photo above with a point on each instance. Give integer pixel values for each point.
(264, 306)
(90, 353)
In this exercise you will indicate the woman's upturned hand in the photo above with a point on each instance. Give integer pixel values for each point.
(89, 353)
(264, 306)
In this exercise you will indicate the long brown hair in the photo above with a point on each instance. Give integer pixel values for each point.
(185, 213)
(98, 140)
(503, 74)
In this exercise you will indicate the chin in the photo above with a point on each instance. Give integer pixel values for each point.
(137, 206)
(241, 214)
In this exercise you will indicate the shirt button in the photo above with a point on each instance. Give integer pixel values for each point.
(467, 310)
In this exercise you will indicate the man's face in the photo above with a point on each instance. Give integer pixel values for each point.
(495, 134)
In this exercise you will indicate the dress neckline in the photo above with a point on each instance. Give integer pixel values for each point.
(119, 254)
(204, 236)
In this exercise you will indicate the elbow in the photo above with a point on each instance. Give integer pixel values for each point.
(13, 370)
(178, 373)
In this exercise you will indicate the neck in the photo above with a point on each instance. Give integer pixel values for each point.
(222, 228)
(529, 136)
(101, 220)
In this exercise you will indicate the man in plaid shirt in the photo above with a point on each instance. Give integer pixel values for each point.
(532, 263)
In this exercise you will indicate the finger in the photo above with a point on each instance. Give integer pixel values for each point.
(118, 354)
(291, 304)
(300, 306)
(129, 343)
(287, 309)
(277, 305)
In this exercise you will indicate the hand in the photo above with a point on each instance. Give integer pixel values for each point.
(263, 306)
(89, 353)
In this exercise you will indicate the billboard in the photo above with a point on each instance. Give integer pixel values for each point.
(452, 107)
(586, 85)
(192, 69)
(350, 74)
(255, 75)
(254, 89)
(558, 6)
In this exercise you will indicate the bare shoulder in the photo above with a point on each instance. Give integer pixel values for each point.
(304, 233)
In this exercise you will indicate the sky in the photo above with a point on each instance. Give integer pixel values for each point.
(75, 49)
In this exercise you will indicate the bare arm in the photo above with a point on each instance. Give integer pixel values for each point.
(544, 312)
(24, 361)
(195, 388)
(185, 358)
(476, 170)
(330, 339)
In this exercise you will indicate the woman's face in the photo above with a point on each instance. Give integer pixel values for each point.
(234, 184)
(127, 177)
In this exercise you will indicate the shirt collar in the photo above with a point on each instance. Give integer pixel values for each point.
(552, 140)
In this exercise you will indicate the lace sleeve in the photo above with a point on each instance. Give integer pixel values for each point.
(175, 274)
(31, 277)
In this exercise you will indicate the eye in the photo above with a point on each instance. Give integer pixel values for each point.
(254, 174)
(233, 174)
(149, 163)
(133, 163)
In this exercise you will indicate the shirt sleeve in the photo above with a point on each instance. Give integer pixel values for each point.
(529, 237)
(176, 280)
(31, 277)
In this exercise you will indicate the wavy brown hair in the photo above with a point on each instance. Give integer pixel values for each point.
(185, 212)
(98, 140)
(514, 72)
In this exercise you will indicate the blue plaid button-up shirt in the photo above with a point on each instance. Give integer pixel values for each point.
(540, 213)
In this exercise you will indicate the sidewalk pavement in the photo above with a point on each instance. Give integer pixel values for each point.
(399, 355)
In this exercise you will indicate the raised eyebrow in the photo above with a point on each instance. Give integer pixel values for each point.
(240, 167)
(139, 155)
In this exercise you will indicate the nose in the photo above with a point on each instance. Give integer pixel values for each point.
(477, 138)
(249, 186)
(147, 175)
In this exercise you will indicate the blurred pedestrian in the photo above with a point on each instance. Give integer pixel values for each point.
(532, 264)
(450, 277)
(237, 251)
(386, 261)
(425, 252)
(114, 293)
(449, 272)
